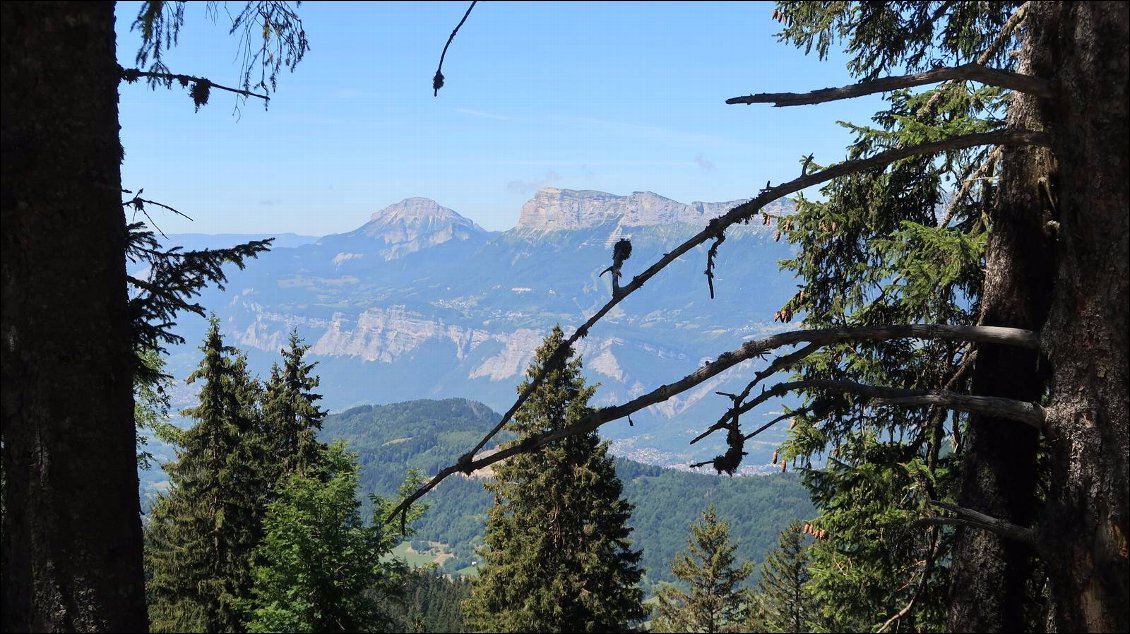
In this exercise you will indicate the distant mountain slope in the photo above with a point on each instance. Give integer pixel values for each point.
(420, 302)
(430, 434)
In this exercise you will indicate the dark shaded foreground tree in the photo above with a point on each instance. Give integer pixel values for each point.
(715, 603)
(557, 556)
(72, 527)
(1038, 159)
(72, 550)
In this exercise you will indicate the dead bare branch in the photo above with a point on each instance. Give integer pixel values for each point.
(746, 211)
(755, 348)
(973, 72)
(976, 519)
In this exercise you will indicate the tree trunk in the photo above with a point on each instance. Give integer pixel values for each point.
(1084, 524)
(1073, 285)
(72, 529)
(990, 573)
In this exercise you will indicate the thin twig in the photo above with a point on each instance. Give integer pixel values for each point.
(1020, 411)
(981, 171)
(986, 55)
(133, 74)
(926, 569)
(437, 81)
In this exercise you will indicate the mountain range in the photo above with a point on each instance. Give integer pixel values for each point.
(421, 302)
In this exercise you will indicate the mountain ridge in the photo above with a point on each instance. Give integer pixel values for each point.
(393, 315)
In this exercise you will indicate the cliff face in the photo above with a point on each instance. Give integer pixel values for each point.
(422, 303)
(553, 209)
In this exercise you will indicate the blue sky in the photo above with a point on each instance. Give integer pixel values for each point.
(618, 97)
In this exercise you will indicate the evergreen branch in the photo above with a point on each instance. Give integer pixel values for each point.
(974, 72)
(976, 519)
(437, 81)
(133, 74)
(746, 211)
(755, 348)
(986, 55)
(927, 568)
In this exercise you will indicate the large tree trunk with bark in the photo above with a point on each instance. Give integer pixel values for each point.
(999, 471)
(1084, 525)
(72, 529)
(1059, 263)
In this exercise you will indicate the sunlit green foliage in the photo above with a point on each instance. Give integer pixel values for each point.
(557, 556)
(903, 244)
(715, 602)
(291, 413)
(782, 600)
(201, 535)
(151, 406)
(321, 566)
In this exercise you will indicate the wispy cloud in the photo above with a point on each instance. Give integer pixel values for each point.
(268, 202)
(484, 115)
(703, 162)
(655, 133)
(531, 186)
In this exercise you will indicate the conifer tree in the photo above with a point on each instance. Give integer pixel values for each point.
(291, 416)
(200, 537)
(557, 556)
(322, 568)
(782, 600)
(715, 602)
(905, 244)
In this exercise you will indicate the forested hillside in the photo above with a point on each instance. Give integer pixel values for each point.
(428, 435)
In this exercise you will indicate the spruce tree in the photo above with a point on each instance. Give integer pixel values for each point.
(557, 556)
(782, 600)
(291, 416)
(321, 566)
(200, 537)
(903, 244)
(715, 602)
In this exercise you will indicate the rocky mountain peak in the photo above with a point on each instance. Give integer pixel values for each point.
(419, 212)
(554, 209)
(408, 226)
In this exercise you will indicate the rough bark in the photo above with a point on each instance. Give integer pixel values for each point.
(990, 573)
(1075, 281)
(1085, 520)
(72, 528)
